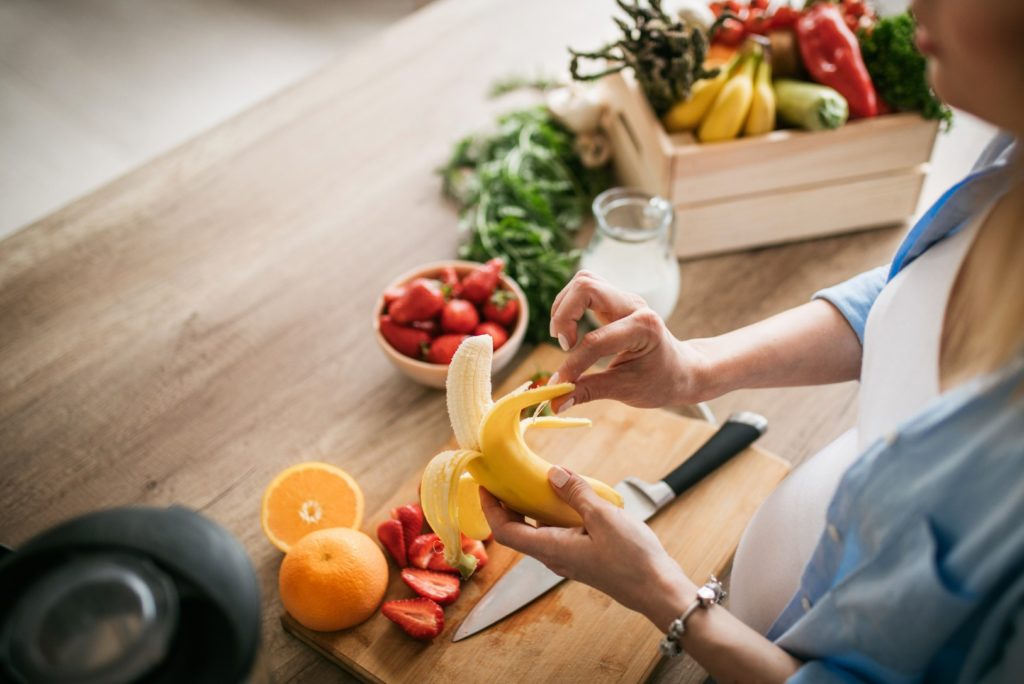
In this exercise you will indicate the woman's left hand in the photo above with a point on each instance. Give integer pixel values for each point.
(612, 552)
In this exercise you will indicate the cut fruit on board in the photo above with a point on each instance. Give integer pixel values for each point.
(572, 633)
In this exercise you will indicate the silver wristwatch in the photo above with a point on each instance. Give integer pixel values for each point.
(709, 594)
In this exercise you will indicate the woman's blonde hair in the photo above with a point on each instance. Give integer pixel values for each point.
(984, 324)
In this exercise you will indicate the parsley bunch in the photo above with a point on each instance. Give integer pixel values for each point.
(898, 70)
(523, 193)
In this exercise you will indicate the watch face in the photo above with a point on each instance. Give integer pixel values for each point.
(706, 593)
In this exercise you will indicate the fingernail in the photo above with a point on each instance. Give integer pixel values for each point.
(553, 380)
(566, 405)
(563, 342)
(558, 476)
(551, 329)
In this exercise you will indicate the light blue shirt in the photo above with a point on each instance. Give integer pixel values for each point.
(919, 574)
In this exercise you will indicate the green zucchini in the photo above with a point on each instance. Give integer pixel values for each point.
(809, 105)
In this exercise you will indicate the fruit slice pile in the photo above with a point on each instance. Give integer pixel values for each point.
(421, 557)
(492, 454)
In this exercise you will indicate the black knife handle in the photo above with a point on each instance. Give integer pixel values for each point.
(735, 435)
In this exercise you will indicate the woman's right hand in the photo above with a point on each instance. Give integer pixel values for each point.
(650, 368)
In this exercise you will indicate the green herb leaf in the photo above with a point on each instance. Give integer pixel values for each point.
(523, 192)
(897, 68)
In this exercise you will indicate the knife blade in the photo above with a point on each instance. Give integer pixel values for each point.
(529, 579)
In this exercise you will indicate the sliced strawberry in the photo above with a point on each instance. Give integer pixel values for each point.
(421, 549)
(411, 517)
(475, 547)
(420, 618)
(436, 586)
(427, 552)
(439, 564)
(391, 536)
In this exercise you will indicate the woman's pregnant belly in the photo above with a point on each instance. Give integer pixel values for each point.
(781, 536)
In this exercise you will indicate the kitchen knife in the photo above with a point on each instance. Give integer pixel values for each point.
(530, 579)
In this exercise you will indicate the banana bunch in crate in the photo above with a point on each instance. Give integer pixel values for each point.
(738, 101)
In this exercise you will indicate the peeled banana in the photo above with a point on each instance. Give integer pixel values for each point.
(761, 119)
(729, 112)
(492, 453)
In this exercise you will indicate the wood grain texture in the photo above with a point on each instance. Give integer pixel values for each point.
(186, 332)
(573, 633)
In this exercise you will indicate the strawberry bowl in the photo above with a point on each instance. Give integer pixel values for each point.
(421, 317)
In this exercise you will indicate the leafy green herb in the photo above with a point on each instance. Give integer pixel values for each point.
(666, 55)
(897, 68)
(523, 193)
(512, 83)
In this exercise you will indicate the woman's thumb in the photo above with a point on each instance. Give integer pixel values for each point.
(573, 490)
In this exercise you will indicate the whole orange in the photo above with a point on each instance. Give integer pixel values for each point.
(333, 579)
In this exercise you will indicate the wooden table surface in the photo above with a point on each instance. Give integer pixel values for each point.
(186, 332)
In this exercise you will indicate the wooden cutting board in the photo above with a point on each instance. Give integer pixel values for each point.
(574, 633)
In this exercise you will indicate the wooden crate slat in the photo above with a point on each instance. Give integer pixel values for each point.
(784, 216)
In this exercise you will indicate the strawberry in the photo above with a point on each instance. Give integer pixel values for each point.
(422, 548)
(502, 308)
(439, 564)
(479, 284)
(475, 547)
(459, 316)
(539, 379)
(442, 349)
(427, 552)
(391, 294)
(422, 301)
(420, 618)
(497, 333)
(406, 340)
(411, 517)
(450, 285)
(436, 586)
(430, 327)
(392, 538)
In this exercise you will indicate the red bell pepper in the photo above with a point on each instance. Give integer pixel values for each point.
(831, 54)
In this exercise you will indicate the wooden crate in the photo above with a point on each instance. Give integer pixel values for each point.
(783, 186)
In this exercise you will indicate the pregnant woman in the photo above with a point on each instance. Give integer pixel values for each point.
(897, 553)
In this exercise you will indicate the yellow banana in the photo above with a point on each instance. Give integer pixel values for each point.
(687, 115)
(761, 119)
(731, 107)
(492, 454)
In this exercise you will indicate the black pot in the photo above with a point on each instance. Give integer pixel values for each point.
(124, 595)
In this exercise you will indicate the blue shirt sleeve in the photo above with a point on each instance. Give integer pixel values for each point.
(855, 296)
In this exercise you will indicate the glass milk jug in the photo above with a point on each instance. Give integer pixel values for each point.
(633, 246)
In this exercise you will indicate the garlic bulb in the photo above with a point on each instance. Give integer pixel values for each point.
(693, 12)
(594, 149)
(576, 106)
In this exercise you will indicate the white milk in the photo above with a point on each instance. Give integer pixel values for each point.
(632, 247)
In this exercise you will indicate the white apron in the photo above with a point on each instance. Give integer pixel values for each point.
(899, 377)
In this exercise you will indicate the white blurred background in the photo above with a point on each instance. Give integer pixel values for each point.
(90, 89)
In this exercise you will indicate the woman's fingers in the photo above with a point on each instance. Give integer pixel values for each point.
(577, 492)
(546, 544)
(587, 291)
(631, 334)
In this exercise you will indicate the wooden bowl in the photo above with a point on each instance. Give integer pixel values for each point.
(434, 374)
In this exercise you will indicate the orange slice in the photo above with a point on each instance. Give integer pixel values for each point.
(308, 497)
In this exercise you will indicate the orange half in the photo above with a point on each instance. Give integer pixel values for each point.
(308, 497)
